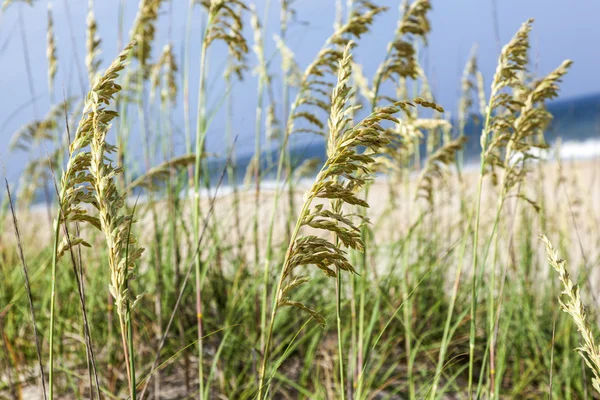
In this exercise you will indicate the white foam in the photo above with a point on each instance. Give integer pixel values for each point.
(582, 150)
(571, 150)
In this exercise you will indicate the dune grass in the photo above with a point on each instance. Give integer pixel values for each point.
(354, 286)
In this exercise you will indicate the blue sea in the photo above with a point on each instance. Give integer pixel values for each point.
(576, 125)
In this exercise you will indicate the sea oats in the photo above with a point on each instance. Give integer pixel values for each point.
(436, 167)
(471, 88)
(401, 59)
(287, 13)
(513, 60)
(272, 128)
(92, 44)
(144, 30)
(314, 88)
(528, 127)
(165, 68)
(293, 75)
(339, 180)
(225, 23)
(518, 116)
(345, 172)
(404, 137)
(36, 174)
(571, 303)
(51, 50)
(158, 175)
(307, 168)
(89, 178)
(36, 131)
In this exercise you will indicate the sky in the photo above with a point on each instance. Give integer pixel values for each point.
(562, 29)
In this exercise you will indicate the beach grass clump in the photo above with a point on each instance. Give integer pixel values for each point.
(89, 178)
(356, 286)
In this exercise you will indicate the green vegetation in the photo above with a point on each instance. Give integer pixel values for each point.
(396, 273)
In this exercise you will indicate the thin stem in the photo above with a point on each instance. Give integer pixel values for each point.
(52, 304)
(267, 349)
(338, 312)
(200, 144)
(475, 246)
(446, 335)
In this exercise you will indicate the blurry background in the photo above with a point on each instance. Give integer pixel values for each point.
(561, 30)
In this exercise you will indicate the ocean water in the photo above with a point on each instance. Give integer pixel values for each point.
(576, 127)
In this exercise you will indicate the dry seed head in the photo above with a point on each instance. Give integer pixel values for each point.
(437, 166)
(513, 59)
(291, 70)
(89, 178)
(405, 135)
(307, 168)
(166, 67)
(287, 13)
(520, 128)
(429, 104)
(170, 86)
(339, 114)
(315, 88)
(92, 45)
(51, 49)
(272, 124)
(122, 249)
(360, 22)
(8, 3)
(225, 23)
(35, 175)
(504, 107)
(340, 179)
(571, 303)
(251, 170)
(402, 63)
(36, 131)
(144, 30)
(158, 175)
(530, 125)
(469, 87)
(258, 47)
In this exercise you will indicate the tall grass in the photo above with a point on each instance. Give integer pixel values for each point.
(351, 284)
